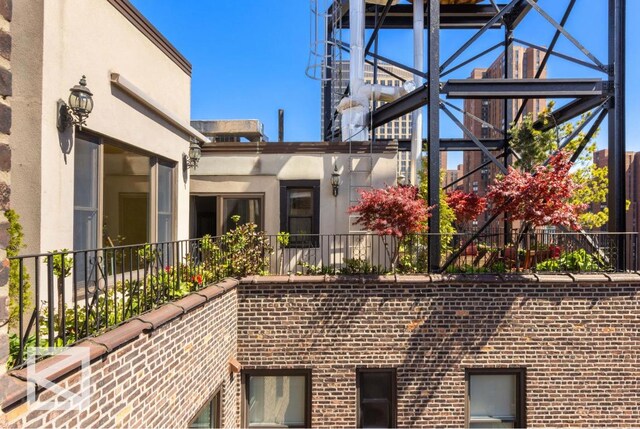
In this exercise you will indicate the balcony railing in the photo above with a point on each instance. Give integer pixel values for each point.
(65, 297)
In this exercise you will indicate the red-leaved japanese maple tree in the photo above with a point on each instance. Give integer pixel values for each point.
(394, 211)
(466, 206)
(539, 198)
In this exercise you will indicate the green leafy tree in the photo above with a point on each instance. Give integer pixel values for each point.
(535, 147)
(447, 215)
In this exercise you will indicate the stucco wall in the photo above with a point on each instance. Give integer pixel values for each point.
(58, 42)
(219, 174)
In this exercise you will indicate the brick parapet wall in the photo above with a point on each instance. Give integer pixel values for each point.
(578, 338)
(5, 170)
(154, 371)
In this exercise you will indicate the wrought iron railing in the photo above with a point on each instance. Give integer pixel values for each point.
(64, 297)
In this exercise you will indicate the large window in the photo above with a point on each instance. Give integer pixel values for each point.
(300, 211)
(121, 196)
(212, 214)
(277, 398)
(495, 398)
(210, 415)
(376, 398)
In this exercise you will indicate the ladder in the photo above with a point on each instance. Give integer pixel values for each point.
(360, 178)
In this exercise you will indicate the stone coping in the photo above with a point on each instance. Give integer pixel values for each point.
(14, 384)
(449, 278)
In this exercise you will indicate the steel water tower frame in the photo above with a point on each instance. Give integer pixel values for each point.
(603, 96)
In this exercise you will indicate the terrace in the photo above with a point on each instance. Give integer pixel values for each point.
(80, 294)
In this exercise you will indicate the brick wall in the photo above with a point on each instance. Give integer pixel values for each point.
(579, 343)
(160, 377)
(5, 168)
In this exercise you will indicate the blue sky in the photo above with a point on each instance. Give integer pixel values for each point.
(249, 57)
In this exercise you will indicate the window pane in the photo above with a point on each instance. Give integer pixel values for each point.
(204, 418)
(376, 399)
(277, 400)
(85, 195)
(300, 226)
(126, 197)
(300, 202)
(247, 208)
(375, 385)
(165, 203)
(493, 395)
(375, 414)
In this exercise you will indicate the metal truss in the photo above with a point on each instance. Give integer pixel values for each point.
(602, 95)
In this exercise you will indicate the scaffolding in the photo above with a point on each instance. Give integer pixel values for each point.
(603, 95)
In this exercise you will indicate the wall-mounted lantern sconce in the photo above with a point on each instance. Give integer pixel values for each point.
(195, 153)
(335, 180)
(79, 107)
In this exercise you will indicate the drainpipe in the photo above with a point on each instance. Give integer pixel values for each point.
(418, 64)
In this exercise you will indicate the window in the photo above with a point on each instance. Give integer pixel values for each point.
(121, 197)
(165, 202)
(495, 398)
(376, 398)
(85, 194)
(300, 211)
(209, 416)
(277, 398)
(212, 214)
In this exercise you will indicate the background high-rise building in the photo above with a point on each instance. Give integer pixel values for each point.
(398, 129)
(524, 64)
(632, 185)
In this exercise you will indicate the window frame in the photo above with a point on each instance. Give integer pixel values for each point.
(154, 161)
(216, 419)
(220, 197)
(246, 377)
(521, 391)
(394, 392)
(314, 186)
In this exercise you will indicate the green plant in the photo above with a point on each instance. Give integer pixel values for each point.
(244, 251)
(359, 266)
(576, 261)
(16, 237)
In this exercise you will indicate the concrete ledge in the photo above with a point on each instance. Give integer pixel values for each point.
(448, 278)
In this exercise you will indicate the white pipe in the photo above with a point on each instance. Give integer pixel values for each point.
(418, 64)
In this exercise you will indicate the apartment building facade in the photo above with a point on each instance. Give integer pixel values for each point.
(524, 64)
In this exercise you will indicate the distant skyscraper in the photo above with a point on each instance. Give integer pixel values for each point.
(525, 64)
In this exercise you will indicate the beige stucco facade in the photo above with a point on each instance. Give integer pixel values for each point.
(220, 174)
(55, 43)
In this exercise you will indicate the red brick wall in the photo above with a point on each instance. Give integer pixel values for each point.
(160, 379)
(579, 343)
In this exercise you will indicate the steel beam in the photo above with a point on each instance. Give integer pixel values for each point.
(462, 144)
(617, 142)
(400, 17)
(568, 112)
(522, 88)
(433, 116)
(400, 107)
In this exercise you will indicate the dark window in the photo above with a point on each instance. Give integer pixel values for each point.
(277, 398)
(376, 398)
(300, 211)
(209, 416)
(495, 398)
